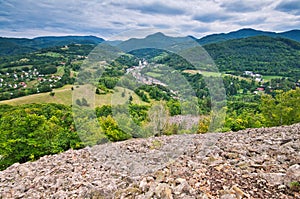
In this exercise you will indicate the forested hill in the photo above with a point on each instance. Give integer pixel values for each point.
(248, 32)
(261, 54)
(13, 46)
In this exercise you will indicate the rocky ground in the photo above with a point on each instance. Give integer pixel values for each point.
(254, 163)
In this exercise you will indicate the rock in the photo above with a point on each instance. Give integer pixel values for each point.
(274, 179)
(163, 191)
(238, 192)
(292, 175)
(248, 164)
(144, 186)
(23, 170)
(228, 196)
(182, 187)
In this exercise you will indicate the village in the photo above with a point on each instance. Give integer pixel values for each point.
(21, 80)
(142, 78)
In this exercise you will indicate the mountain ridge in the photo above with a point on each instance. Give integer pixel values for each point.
(13, 46)
(248, 32)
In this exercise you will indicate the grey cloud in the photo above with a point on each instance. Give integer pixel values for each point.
(201, 29)
(212, 17)
(292, 7)
(156, 8)
(252, 21)
(162, 26)
(242, 6)
(287, 26)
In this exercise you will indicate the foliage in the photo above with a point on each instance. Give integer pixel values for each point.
(294, 186)
(174, 107)
(281, 109)
(31, 131)
(203, 125)
(111, 129)
(103, 111)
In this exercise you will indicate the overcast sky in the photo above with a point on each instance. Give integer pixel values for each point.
(104, 18)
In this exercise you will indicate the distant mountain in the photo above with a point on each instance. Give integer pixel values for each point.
(248, 32)
(43, 42)
(292, 34)
(157, 40)
(12, 46)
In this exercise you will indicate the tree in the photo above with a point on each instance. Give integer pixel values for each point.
(130, 99)
(123, 93)
(111, 129)
(52, 94)
(158, 118)
(282, 109)
(104, 110)
(203, 125)
(31, 131)
(174, 107)
(97, 91)
(78, 102)
(84, 102)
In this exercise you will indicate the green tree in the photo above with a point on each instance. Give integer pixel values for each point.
(282, 109)
(111, 129)
(174, 107)
(52, 94)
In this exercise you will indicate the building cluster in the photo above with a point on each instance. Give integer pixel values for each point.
(257, 77)
(18, 80)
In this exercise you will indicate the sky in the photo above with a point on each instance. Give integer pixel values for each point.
(107, 19)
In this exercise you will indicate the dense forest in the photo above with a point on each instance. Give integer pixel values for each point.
(261, 54)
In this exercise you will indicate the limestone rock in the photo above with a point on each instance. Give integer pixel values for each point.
(254, 163)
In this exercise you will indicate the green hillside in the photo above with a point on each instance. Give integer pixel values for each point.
(17, 46)
(261, 54)
(248, 32)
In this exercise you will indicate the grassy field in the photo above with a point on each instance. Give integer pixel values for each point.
(239, 77)
(50, 54)
(204, 73)
(60, 71)
(64, 96)
(153, 74)
(269, 77)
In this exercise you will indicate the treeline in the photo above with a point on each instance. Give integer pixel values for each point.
(254, 111)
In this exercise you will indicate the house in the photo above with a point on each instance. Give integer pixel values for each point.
(260, 89)
(23, 84)
(257, 79)
(250, 73)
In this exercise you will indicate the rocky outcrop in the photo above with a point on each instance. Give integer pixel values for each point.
(254, 163)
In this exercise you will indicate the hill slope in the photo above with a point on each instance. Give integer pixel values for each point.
(254, 163)
(261, 54)
(12, 46)
(248, 32)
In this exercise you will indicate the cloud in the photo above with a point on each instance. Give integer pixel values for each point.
(244, 6)
(156, 8)
(292, 7)
(29, 18)
(212, 17)
(251, 21)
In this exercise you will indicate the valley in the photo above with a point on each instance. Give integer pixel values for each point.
(142, 93)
